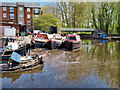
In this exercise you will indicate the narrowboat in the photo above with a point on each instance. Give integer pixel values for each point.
(18, 63)
(72, 42)
(5, 56)
(50, 41)
(56, 41)
(100, 36)
(42, 40)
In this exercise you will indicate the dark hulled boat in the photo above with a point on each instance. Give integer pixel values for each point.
(56, 41)
(42, 40)
(72, 42)
(4, 56)
(21, 64)
(50, 41)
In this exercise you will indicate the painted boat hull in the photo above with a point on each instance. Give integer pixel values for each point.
(56, 43)
(4, 59)
(43, 43)
(70, 45)
(21, 67)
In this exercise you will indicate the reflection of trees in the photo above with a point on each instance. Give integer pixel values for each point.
(72, 56)
(101, 61)
(15, 75)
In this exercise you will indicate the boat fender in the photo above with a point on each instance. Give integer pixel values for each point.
(41, 60)
(10, 64)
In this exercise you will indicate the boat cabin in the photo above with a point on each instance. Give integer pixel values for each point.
(101, 35)
(41, 35)
(73, 37)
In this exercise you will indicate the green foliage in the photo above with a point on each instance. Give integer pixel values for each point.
(44, 22)
(100, 15)
(105, 16)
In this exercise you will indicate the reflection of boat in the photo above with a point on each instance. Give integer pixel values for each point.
(72, 42)
(99, 42)
(15, 75)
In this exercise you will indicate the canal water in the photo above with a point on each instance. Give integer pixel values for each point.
(95, 65)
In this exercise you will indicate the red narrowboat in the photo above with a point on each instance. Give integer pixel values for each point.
(72, 42)
(42, 40)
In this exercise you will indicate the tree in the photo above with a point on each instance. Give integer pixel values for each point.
(99, 15)
(118, 27)
(104, 16)
(94, 15)
(44, 22)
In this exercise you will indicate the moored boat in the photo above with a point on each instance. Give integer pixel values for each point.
(5, 56)
(72, 42)
(23, 63)
(50, 41)
(56, 41)
(42, 40)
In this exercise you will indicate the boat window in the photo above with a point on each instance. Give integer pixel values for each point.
(78, 38)
(98, 34)
(58, 36)
(72, 38)
(67, 38)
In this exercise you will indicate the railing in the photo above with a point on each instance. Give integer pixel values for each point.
(78, 29)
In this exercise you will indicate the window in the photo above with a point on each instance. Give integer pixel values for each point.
(28, 23)
(11, 22)
(20, 15)
(36, 10)
(28, 15)
(72, 38)
(78, 38)
(11, 16)
(11, 9)
(4, 15)
(4, 8)
(67, 38)
(36, 16)
(28, 9)
(29, 29)
(20, 22)
(20, 8)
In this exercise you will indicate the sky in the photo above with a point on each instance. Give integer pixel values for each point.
(43, 2)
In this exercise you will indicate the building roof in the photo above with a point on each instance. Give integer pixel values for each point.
(8, 4)
(26, 4)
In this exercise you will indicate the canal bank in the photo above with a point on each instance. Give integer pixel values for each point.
(95, 65)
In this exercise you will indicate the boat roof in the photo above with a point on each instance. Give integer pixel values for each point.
(74, 34)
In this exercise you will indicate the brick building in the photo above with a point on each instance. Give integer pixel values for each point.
(20, 13)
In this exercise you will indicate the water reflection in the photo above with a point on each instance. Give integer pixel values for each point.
(16, 75)
(94, 65)
(101, 62)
